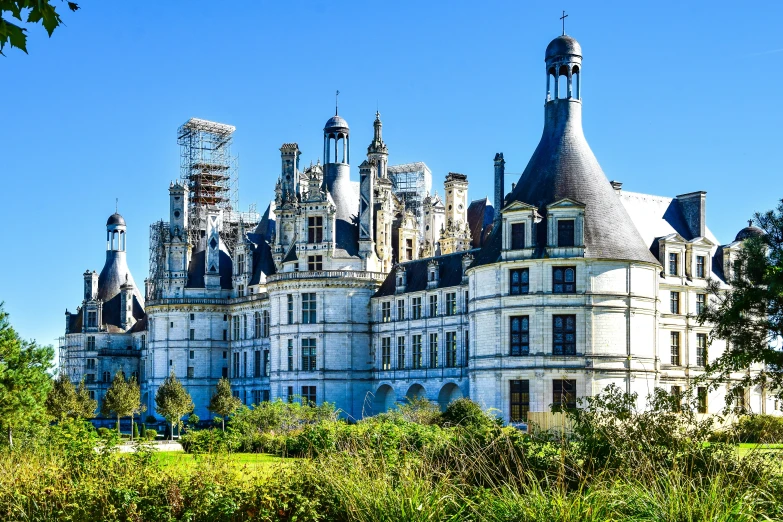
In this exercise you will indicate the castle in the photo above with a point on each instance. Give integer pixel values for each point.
(363, 294)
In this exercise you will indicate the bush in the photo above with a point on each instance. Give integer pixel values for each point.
(143, 431)
(104, 432)
(135, 431)
(467, 414)
(151, 434)
(208, 441)
(763, 429)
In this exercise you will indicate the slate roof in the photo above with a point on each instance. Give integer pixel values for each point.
(197, 268)
(480, 216)
(748, 232)
(114, 274)
(449, 272)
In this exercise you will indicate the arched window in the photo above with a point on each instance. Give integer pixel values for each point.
(562, 82)
(563, 280)
(577, 87)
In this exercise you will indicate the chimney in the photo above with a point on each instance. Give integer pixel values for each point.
(694, 209)
(126, 304)
(500, 184)
(90, 285)
(616, 185)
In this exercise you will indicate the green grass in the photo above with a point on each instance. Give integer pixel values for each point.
(251, 461)
(745, 448)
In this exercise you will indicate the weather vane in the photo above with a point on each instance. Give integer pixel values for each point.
(563, 19)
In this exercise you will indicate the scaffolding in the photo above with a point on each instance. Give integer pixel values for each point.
(411, 182)
(159, 236)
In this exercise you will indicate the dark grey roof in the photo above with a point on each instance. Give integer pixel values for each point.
(114, 274)
(480, 216)
(748, 232)
(197, 268)
(115, 219)
(112, 313)
(263, 263)
(336, 123)
(563, 46)
(266, 227)
(347, 236)
(449, 272)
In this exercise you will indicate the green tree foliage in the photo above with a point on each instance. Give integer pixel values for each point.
(31, 12)
(123, 399)
(24, 381)
(172, 401)
(223, 403)
(66, 401)
(749, 316)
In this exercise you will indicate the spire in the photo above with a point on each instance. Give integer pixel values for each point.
(336, 100)
(377, 146)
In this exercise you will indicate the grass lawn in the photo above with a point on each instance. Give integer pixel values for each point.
(747, 447)
(253, 462)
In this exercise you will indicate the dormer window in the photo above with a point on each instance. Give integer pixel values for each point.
(241, 264)
(565, 232)
(517, 236)
(674, 262)
(315, 229)
(432, 275)
(92, 318)
(700, 262)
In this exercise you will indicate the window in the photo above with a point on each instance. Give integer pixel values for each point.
(240, 264)
(308, 308)
(225, 354)
(308, 355)
(700, 267)
(400, 352)
(564, 335)
(290, 394)
(416, 308)
(433, 350)
(192, 334)
(701, 301)
(236, 328)
(224, 373)
(192, 317)
(701, 349)
(106, 376)
(451, 349)
(315, 229)
(416, 352)
(674, 261)
(385, 312)
(519, 281)
(225, 335)
(244, 364)
(517, 236)
(290, 355)
(386, 353)
(225, 317)
(265, 316)
(90, 342)
(90, 364)
(143, 342)
(92, 318)
(256, 325)
(675, 348)
(191, 372)
(256, 396)
(520, 401)
(92, 394)
(192, 354)
(674, 302)
(315, 263)
(244, 326)
(290, 298)
(89, 378)
(265, 395)
(409, 249)
(256, 363)
(466, 301)
(520, 335)
(564, 279)
(467, 348)
(308, 395)
(434, 305)
(565, 232)
(267, 364)
(401, 309)
(240, 290)
(701, 398)
(236, 364)
(676, 393)
(740, 403)
(564, 393)
(451, 303)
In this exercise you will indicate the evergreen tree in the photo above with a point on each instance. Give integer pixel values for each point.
(172, 401)
(223, 403)
(24, 381)
(66, 401)
(123, 399)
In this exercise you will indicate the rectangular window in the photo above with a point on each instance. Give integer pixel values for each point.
(519, 335)
(564, 335)
(236, 328)
(416, 352)
(315, 229)
(192, 334)
(92, 319)
(256, 325)
(564, 279)
(265, 316)
(564, 393)
(467, 348)
(308, 395)
(191, 372)
(701, 397)
(244, 364)
(700, 261)
(517, 236)
(400, 353)
(290, 298)
(225, 354)
(90, 364)
(315, 263)
(451, 303)
(385, 312)
(308, 355)
(701, 349)
(192, 317)
(241, 264)
(256, 396)
(256, 363)
(143, 342)
(244, 326)
(224, 373)
(236, 365)
(409, 249)
(520, 401)
(674, 263)
(400, 309)
(290, 394)
(290, 355)
(192, 354)
(676, 393)
(308, 308)
(519, 281)
(92, 395)
(89, 378)
(267, 364)
(675, 348)
(433, 350)
(701, 301)
(466, 301)
(434, 305)
(265, 395)
(451, 349)
(106, 377)
(225, 335)
(565, 232)
(674, 302)
(416, 307)
(90, 342)
(386, 353)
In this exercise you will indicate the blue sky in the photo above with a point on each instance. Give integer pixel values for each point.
(677, 97)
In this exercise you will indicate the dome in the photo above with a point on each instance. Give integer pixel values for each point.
(562, 46)
(336, 122)
(748, 232)
(115, 219)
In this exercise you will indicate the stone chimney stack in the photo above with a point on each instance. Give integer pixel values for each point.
(500, 184)
(694, 208)
(90, 285)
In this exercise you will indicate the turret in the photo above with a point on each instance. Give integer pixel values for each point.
(377, 151)
(456, 235)
(289, 156)
(126, 304)
(90, 285)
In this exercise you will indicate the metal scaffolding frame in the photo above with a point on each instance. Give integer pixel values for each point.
(411, 182)
(159, 236)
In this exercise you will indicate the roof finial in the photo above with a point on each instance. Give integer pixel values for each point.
(750, 222)
(116, 204)
(336, 99)
(563, 19)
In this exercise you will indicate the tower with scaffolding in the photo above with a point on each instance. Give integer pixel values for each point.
(411, 182)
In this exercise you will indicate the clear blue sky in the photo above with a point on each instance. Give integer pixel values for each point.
(678, 96)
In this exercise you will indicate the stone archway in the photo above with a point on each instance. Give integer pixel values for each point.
(416, 391)
(449, 392)
(384, 399)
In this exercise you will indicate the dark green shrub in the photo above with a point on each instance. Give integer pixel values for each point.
(143, 431)
(764, 429)
(208, 441)
(103, 432)
(467, 414)
(151, 434)
(135, 431)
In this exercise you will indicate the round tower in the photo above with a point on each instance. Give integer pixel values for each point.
(564, 68)
(337, 173)
(115, 233)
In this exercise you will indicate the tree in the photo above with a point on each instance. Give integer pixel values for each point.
(35, 11)
(749, 315)
(65, 401)
(173, 402)
(123, 399)
(223, 403)
(24, 381)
